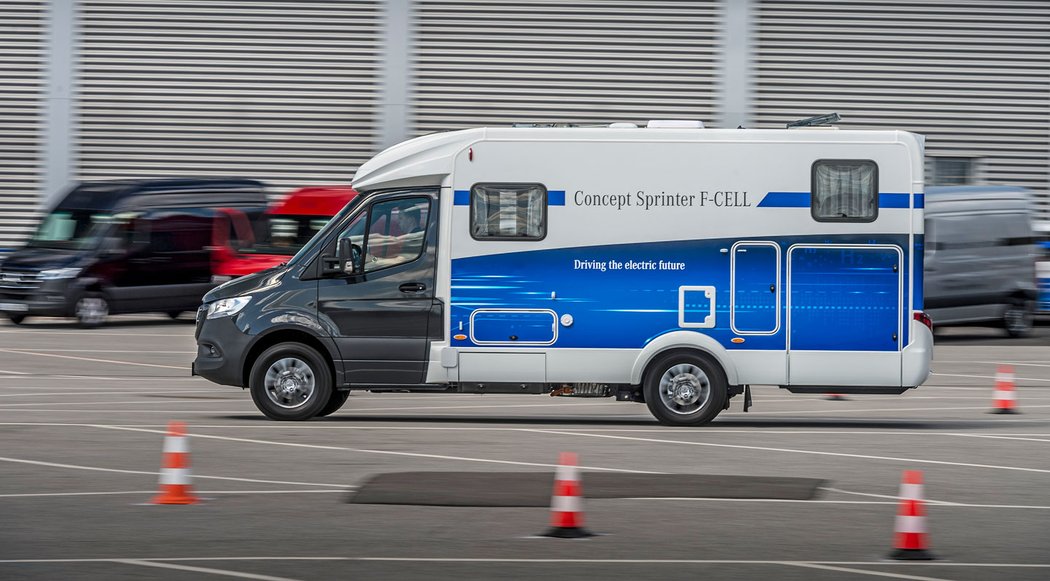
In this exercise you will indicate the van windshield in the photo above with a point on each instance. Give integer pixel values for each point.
(71, 230)
(283, 234)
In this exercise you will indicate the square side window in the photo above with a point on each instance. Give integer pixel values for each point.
(508, 212)
(845, 190)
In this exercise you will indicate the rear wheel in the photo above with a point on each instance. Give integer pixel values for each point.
(290, 381)
(1019, 318)
(174, 314)
(685, 388)
(335, 403)
(16, 319)
(91, 310)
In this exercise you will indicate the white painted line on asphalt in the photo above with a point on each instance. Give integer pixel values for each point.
(125, 351)
(865, 572)
(173, 412)
(39, 354)
(939, 505)
(790, 451)
(27, 332)
(135, 391)
(49, 494)
(988, 377)
(1014, 363)
(368, 451)
(15, 373)
(880, 563)
(120, 471)
(160, 400)
(863, 410)
(203, 570)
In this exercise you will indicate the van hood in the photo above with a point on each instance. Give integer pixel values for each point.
(253, 283)
(35, 259)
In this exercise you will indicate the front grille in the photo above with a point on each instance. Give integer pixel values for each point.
(19, 280)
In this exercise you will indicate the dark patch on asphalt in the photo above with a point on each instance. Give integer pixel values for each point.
(534, 488)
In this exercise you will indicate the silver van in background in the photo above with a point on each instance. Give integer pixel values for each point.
(980, 257)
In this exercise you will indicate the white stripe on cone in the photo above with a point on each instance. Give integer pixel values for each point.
(175, 476)
(1004, 395)
(565, 504)
(176, 445)
(565, 472)
(911, 491)
(910, 524)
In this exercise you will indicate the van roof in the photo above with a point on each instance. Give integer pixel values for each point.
(174, 192)
(974, 198)
(315, 201)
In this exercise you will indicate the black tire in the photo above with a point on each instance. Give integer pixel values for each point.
(1019, 317)
(335, 402)
(685, 388)
(290, 382)
(173, 314)
(91, 310)
(16, 319)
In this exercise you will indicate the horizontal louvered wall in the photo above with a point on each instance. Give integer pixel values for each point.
(286, 92)
(974, 77)
(22, 89)
(499, 62)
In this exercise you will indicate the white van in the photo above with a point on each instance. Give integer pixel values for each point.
(675, 266)
(980, 257)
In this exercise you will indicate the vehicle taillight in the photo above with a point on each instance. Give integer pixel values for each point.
(924, 319)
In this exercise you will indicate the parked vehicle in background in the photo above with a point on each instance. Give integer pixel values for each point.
(246, 246)
(124, 246)
(980, 257)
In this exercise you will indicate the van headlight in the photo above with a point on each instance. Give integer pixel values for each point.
(227, 307)
(57, 273)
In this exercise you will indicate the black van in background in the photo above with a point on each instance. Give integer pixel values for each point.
(124, 246)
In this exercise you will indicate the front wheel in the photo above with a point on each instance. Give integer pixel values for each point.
(16, 319)
(1019, 318)
(290, 381)
(91, 310)
(685, 389)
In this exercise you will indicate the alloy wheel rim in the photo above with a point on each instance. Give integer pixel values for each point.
(289, 383)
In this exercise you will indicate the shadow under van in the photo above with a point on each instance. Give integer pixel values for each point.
(123, 246)
(980, 257)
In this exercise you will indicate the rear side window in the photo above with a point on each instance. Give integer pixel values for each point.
(508, 212)
(845, 190)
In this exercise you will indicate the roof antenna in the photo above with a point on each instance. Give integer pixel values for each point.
(815, 121)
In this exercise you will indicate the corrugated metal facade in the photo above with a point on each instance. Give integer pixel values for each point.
(498, 62)
(22, 88)
(285, 92)
(974, 77)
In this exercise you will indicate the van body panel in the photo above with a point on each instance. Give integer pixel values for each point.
(979, 253)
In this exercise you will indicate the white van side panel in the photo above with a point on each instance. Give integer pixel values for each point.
(632, 224)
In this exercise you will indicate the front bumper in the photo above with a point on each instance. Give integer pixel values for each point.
(221, 351)
(51, 298)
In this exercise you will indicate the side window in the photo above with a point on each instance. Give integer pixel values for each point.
(845, 190)
(396, 232)
(508, 212)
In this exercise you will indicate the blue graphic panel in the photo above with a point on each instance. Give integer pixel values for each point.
(844, 299)
(754, 293)
(623, 295)
(513, 327)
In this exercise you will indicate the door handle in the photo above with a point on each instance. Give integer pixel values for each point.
(412, 287)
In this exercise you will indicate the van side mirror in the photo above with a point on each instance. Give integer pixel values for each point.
(349, 256)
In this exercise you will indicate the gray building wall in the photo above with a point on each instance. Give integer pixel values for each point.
(300, 93)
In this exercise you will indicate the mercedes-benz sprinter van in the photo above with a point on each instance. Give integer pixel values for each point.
(123, 246)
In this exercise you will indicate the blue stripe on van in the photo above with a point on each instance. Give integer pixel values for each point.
(802, 199)
(554, 198)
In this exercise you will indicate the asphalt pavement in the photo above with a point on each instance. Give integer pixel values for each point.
(84, 415)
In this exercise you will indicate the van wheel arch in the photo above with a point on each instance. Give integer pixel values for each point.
(285, 336)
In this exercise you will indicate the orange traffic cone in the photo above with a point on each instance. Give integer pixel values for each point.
(909, 542)
(566, 503)
(1005, 396)
(175, 468)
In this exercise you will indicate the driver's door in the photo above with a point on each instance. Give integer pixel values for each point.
(378, 314)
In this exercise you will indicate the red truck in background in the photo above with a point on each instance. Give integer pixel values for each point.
(244, 246)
